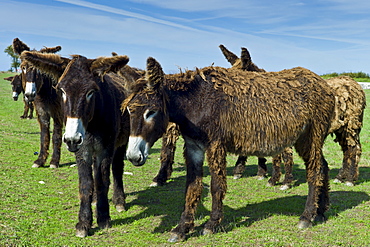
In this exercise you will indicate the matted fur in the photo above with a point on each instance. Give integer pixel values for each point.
(223, 110)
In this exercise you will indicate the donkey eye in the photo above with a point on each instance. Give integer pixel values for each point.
(90, 94)
(149, 114)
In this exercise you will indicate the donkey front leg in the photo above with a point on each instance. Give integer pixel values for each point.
(86, 188)
(57, 142)
(216, 155)
(44, 122)
(117, 171)
(194, 158)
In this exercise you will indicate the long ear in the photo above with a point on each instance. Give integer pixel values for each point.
(19, 46)
(51, 49)
(47, 63)
(154, 73)
(246, 62)
(103, 65)
(245, 58)
(231, 57)
(9, 78)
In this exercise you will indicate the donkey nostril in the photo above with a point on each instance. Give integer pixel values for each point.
(80, 141)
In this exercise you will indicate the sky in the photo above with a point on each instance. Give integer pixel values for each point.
(324, 36)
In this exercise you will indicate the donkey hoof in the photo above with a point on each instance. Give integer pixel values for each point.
(350, 184)
(81, 233)
(120, 208)
(154, 184)
(302, 224)
(284, 187)
(237, 176)
(53, 166)
(174, 238)
(206, 231)
(36, 165)
(260, 177)
(337, 181)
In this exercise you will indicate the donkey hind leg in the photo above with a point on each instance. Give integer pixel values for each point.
(216, 156)
(262, 168)
(276, 173)
(102, 182)
(317, 173)
(169, 140)
(86, 188)
(119, 197)
(44, 122)
(287, 156)
(57, 142)
(239, 167)
(25, 110)
(351, 148)
(194, 158)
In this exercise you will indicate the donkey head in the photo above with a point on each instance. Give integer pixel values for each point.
(31, 77)
(16, 83)
(78, 81)
(148, 113)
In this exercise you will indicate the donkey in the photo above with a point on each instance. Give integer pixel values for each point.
(346, 125)
(222, 110)
(17, 89)
(96, 130)
(39, 89)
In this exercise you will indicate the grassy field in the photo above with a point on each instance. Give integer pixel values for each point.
(39, 207)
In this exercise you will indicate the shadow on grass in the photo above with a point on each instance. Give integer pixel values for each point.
(168, 202)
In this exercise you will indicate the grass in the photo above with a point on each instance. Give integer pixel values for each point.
(39, 207)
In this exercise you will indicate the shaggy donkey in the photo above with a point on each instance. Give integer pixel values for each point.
(350, 103)
(226, 110)
(40, 89)
(17, 88)
(96, 130)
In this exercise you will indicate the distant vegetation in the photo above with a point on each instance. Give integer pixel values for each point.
(358, 76)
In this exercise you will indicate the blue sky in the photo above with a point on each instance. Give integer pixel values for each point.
(324, 36)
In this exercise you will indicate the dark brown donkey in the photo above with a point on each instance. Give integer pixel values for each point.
(39, 89)
(96, 130)
(350, 102)
(223, 110)
(17, 88)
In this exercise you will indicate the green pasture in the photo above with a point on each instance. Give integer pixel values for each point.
(39, 207)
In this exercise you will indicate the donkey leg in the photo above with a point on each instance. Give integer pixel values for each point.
(351, 148)
(239, 167)
(169, 140)
(31, 108)
(262, 168)
(25, 109)
(119, 197)
(102, 182)
(276, 173)
(86, 188)
(44, 122)
(194, 158)
(287, 156)
(216, 156)
(57, 142)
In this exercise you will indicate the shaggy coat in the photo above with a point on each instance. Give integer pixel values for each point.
(39, 89)
(350, 103)
(226, 110)
(17, 88)
(96, 130)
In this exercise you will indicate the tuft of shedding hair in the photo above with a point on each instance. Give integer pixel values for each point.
(103, 65)
(19, 46)
(50, 63)
(154, 75)
(51, 49)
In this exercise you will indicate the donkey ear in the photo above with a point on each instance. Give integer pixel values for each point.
(103, 65)
(245, 58)
(154, 73)
(230, 57)
(9, 78)
(19, 46)
(51, 49)
(47, 63)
